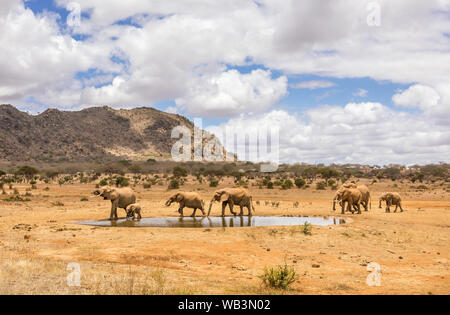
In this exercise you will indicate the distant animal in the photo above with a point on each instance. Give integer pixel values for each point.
(391, 199)
(231, 197)
(296, 204)
(119, 197)
(257, 202)
(266, 203)
(187, 200)
(351, 196)
(134, 211)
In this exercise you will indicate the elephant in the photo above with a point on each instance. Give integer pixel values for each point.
(187, 200)
(391, 199)
(231, 197)
(120, 198)
(134, 210)
(352, 196)
(366, 199)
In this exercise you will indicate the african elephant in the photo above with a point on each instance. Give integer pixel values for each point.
(391, 199)
(189, 200)
(120, 198)
(366, 199)
(134, 210)
(231, 197)
(351, 196)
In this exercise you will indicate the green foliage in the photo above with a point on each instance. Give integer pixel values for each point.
(174, 184)
(103, 182)
(279, 278)
(287, 184)
(27, 171)
(122, 181)
(84, 199)
(321, 185)
(179, 171)
(2, 173)
(307, 228)
(270, 185)
(16, 199)
(213, 182)
(300, 182)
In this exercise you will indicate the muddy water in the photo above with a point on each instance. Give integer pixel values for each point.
(200, 222)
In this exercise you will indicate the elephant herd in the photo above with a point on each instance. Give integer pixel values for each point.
(125, 198)
(349, 196)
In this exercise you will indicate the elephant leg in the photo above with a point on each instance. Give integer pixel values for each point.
(231, 205)
(193, 213)
(224, 205)
(111, 215)
(249, 207)
(400, 205)
(180, 211)
(242, 211)
(358, 206)
(343, 207)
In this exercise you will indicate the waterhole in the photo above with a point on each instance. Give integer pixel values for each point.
(188, 222)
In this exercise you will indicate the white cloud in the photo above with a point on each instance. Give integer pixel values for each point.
(357, 133)
(232, 93)
(420, 96)
(313, 84)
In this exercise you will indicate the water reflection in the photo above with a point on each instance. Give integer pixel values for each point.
(212, 222)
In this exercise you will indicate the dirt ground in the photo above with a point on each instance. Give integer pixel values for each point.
(38, 239)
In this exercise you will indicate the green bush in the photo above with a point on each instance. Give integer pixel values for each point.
(213, 183)
(122, 181)
(287, 184)
(84, 199)
(174, 184)
(321, 185)
(179, 171)
(300, 182)
(279, 278)
(270, 185)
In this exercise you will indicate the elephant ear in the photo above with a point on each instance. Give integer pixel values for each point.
(179, 197)
(224, 197)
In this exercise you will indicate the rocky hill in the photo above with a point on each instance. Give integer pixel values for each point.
(92, 134)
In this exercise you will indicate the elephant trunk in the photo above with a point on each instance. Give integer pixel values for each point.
(210, 207)
(380, 204)
(334, 204)
(168, 202)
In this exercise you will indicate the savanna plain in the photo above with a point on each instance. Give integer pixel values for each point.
(39, 237)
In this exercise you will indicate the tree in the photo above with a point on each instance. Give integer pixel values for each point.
(179, 171)
(28, 171)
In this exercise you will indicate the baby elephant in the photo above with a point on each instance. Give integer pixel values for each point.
(134, 210)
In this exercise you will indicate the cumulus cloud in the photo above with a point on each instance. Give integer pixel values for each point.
(357, 133)
(232, 93)
(418, 95)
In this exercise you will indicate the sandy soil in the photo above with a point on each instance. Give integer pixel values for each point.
(38, 239)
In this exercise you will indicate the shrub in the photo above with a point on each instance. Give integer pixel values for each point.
(287, 184)
(331, 182)
(122, 181)
(84, 199)
(321, 185)
(279, 278)
(300, 182)
(15, 199)
(213, 183)
(179, 171)
(147, 185)
(174, 184)
(270, 185)
(307, 228)
(103, 182)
